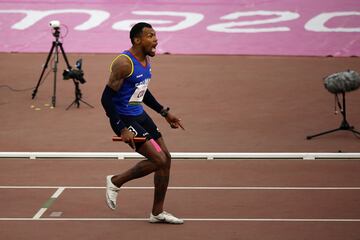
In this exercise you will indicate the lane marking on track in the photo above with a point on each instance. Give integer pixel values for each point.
(48, 203)
(56, 214)
(62, 188)
(194, 219)
(39, 213)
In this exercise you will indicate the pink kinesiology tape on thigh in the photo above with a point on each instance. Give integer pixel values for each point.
(156, 146)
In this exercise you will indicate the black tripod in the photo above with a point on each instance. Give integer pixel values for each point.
(344, 124)
(54, 48)
(78, 96)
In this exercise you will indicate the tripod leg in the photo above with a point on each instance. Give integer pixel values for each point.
(344, 124)
(354, 131)
(86, 103)
(56, 61)
(43, 70)
(73, 103)
(323, 133)
(78, 96)
(64, 56)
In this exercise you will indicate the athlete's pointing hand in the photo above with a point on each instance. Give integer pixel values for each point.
(174, 121)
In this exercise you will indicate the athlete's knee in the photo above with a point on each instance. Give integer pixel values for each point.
(161, 161)
(168, 160)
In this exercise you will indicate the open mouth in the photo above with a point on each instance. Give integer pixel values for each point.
(153, 49)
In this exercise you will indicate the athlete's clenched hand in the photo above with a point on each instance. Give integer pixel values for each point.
(128, 137)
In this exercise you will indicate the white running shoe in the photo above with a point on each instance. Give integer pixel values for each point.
(165, 217)
(111, 192)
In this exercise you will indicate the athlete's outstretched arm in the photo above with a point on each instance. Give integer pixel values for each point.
(151, 102)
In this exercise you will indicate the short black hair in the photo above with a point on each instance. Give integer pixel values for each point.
(136, 30)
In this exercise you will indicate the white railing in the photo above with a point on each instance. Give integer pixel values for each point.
(183, 155)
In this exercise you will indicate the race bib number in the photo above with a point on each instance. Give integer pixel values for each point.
(138, 95)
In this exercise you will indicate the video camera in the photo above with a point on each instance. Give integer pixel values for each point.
(55, 24)
(76, 74)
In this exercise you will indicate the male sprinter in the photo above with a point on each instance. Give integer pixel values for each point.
(121, 99)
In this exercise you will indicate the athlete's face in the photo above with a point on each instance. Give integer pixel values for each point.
(149, 41)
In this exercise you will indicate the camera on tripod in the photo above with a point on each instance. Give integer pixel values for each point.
(76, 74)
(55, 24)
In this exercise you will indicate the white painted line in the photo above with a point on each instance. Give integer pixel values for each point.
(186, 155)
(262, 188)
(48, 203)
(62, 188)
(17, 219)
(58, 192)
(39, 213)
(194, 219)
(56, 214)
(273, 219)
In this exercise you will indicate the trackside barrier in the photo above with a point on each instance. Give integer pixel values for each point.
(183, 155)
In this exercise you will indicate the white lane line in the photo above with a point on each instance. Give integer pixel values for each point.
(194, 219)
(58, 192)
(39, 213)
(61, 189)
(48, 203)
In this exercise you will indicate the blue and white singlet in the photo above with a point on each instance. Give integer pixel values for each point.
(128, 99)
